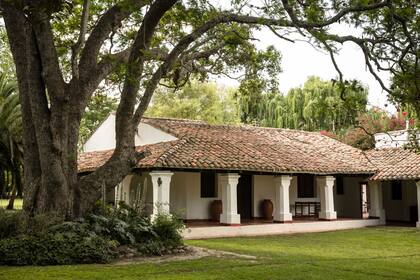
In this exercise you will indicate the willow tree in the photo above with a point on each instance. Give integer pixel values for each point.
(65, 50)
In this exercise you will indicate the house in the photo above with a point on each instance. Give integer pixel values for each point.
(398, 176)
(306, 176)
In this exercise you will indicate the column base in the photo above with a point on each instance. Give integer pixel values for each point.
(328, 216)
(418, 225)
(230, 219)
(283, 218)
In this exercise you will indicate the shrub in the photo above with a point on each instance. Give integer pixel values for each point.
(166, 236)
(14, 223)
(113, 228)
(10, 223)
(48, 240)
(168, 229)
(57, 248)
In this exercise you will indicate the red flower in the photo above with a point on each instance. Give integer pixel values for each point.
(405, 114)
(411, 122)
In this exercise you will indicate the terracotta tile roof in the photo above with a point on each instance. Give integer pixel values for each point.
(248, 148)
(90, 161)
(395, 164)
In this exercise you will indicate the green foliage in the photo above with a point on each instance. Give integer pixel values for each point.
(167, 236)
(14, 223)
(318, 105)
(11, 147)
(7, 66)
(197, 101)
(67, 247)
(10, 223)
(48, 240)
(373, 121)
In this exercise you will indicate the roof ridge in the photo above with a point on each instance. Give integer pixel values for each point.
(232, 125)
(174, 119)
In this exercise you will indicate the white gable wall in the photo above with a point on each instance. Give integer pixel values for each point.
(104, 137)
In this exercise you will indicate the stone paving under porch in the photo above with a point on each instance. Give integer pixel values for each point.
(202, 230)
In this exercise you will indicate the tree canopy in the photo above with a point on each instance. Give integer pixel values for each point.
(196, 101)
(318, 105)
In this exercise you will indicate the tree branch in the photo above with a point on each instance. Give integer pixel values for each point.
(50, 66)
(81, 40)
(106, 24)
(333, 19)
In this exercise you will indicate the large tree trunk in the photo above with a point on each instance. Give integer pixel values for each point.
(46, 186)
(52, 109)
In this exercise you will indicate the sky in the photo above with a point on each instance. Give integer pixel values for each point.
(300, 60)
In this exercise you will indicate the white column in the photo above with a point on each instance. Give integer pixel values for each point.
(161, 181)
(229, 184)
(418, 203)
(326, 184)
(376, 201)
(281, 202)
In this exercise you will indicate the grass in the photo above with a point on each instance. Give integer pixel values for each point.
(371, 253)
(17, 204)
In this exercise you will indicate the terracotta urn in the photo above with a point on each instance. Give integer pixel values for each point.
(216, 210)
(267, 209)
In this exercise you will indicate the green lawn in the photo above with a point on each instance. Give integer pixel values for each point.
(372, 253)
(17, 204)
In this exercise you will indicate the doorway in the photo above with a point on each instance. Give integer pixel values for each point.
(244, 196)
(364, 200)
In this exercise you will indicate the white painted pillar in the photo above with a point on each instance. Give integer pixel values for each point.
(228, 185)
(161, 181)
(281, 202)
(418, 203)
(326, 184)
(376, 202)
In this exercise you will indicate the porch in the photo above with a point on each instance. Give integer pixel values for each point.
(295, 199)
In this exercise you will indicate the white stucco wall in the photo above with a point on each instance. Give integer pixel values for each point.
(392, 139)
(263, 188)
(399, 210)
(104, 137)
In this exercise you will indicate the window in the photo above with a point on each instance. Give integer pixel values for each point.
(306, 186)
(339, 185)
(396, 190)
(208, 184)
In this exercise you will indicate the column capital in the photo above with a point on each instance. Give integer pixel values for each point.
(326, 180)
(232, 178)
(161, 173)
(283, 179)
(418, 183)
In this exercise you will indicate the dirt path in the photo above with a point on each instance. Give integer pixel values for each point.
(190, 253)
